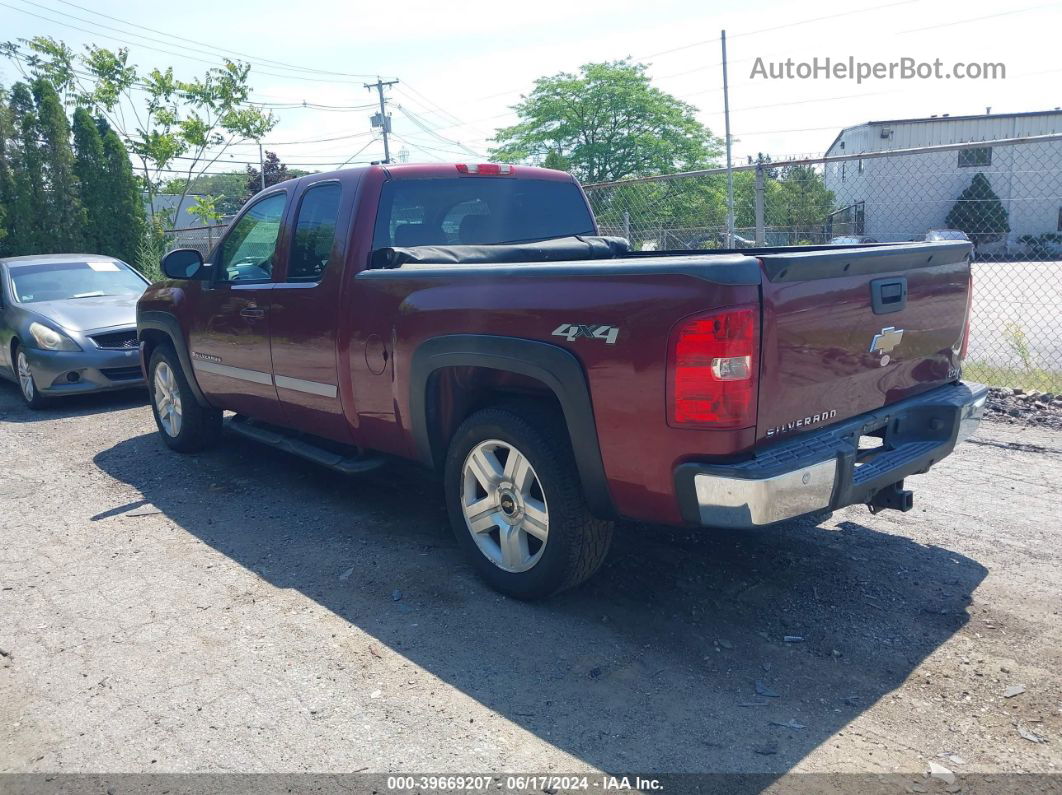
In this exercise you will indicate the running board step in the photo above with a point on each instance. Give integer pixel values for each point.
(301, 446)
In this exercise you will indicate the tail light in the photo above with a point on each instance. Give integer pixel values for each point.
(486, 169)
(712, 369)
(966, 325)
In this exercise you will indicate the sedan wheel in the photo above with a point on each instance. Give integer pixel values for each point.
(25, 378)
(167, 399)
(504, 507)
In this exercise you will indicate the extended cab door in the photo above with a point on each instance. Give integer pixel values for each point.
(229, 335)
(304, 318)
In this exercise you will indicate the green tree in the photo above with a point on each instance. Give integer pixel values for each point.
(124, 195)
(556, 160)
(184, 125)
(275, 171)
(26, 209)
(205, 208)
(228, 189)
(607, 123)
(63, 222)
(803, 201)
(979, 213)
(90, 167)
(7, 185)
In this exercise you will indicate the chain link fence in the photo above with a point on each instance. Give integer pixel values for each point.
(1004, 195)
(201, 238)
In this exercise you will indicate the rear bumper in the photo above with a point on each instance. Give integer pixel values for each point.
(825, 470)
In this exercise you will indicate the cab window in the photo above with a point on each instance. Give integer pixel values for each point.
(248, 251)
(478, 211)
(315, 233)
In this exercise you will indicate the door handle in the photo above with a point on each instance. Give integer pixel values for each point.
(888, 295)
(252, 312)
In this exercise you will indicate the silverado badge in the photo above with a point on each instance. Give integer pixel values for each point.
(803, 422)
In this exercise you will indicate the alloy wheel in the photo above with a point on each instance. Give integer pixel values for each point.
(504, 506)
(25, 377)
(167, 397)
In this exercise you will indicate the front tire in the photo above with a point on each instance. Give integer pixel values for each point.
(183, 423)
(516, 504)
(27, 386)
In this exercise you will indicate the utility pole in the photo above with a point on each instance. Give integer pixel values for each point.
(261, 165)
(729, 164)
(382, 120)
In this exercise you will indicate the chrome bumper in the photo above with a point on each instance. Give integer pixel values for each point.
(738, 502)
(824, 470)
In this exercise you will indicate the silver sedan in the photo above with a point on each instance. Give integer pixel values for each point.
(68, 325)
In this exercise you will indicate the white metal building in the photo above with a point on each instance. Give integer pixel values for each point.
(900, 198)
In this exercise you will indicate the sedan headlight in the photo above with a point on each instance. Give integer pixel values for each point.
(52, 340)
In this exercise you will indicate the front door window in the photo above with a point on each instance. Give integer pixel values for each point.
(247, 254)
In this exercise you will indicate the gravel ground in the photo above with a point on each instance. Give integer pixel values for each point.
(1021, 407)
(243, 611)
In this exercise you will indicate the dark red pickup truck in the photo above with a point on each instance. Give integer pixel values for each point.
(471, 318)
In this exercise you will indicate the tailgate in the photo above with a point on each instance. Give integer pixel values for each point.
(847, 331)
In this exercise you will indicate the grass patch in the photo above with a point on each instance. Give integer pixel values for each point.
(1024, 377)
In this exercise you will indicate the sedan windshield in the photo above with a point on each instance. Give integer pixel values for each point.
(57, 281)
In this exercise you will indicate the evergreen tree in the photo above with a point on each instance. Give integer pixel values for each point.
(7, 185)
(26, 208)
(122, 191)
(89, 166)
(63, 221)
(979, 212)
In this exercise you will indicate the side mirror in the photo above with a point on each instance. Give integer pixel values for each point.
(183, 263)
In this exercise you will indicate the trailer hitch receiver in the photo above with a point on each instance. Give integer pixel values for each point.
(894, 497)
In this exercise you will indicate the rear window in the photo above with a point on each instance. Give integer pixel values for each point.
(478, 210)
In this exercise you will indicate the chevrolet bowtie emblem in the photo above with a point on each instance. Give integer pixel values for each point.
(888, 339)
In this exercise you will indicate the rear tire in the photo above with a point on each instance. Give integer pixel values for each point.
(516, 504)
(183, 423)
(27, 386)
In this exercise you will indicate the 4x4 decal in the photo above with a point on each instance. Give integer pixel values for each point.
(573, 331)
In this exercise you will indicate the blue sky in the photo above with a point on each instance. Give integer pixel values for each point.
(462, 65)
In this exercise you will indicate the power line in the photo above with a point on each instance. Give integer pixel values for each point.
(154, 49)
(286, 161)
(349, 159)
(784, 26)
(715, 39)
(420, 123)
(431, 103)
(311, 106)
(143, 87)
(211, 47)
(317, 140)
(431, 148)
(979, 19)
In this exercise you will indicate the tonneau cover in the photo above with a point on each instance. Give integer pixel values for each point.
(555, 250)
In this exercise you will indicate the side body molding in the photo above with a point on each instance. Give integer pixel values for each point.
(168, 325)
(557, 368)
